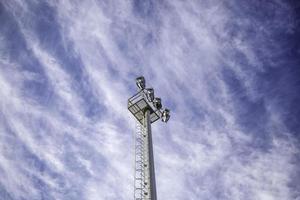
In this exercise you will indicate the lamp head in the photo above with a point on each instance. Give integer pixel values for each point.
(165, 116)
(150, 94)
(140, 82)
(157, 103)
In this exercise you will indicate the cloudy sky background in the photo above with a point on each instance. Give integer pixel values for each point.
(229, 72)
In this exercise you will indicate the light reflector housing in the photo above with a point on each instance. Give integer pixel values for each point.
(157, 103)
(165, 116)
(150, 94)
(140, 82)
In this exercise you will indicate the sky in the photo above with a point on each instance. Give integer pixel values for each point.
(228, 70)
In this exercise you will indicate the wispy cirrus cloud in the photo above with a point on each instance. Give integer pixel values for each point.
(67, 69)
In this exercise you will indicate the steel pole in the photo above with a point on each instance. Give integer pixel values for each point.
(150, 170)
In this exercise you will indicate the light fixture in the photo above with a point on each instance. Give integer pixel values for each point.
(150, 94)
(147, 109)
(165, 116)
(140, 82)
(157, 103)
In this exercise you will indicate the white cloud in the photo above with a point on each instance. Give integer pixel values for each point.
(182, 49)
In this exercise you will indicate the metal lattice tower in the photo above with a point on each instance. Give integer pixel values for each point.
(146, 109)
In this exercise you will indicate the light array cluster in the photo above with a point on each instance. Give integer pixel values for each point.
(155, 101)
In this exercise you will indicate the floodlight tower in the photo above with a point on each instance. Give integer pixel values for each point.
(146, 109)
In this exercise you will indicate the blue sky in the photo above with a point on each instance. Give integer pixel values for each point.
(229, 71)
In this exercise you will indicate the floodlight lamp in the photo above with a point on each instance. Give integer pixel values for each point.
(165, 116)
(157, 103)
(150, 94)
(140, 82)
